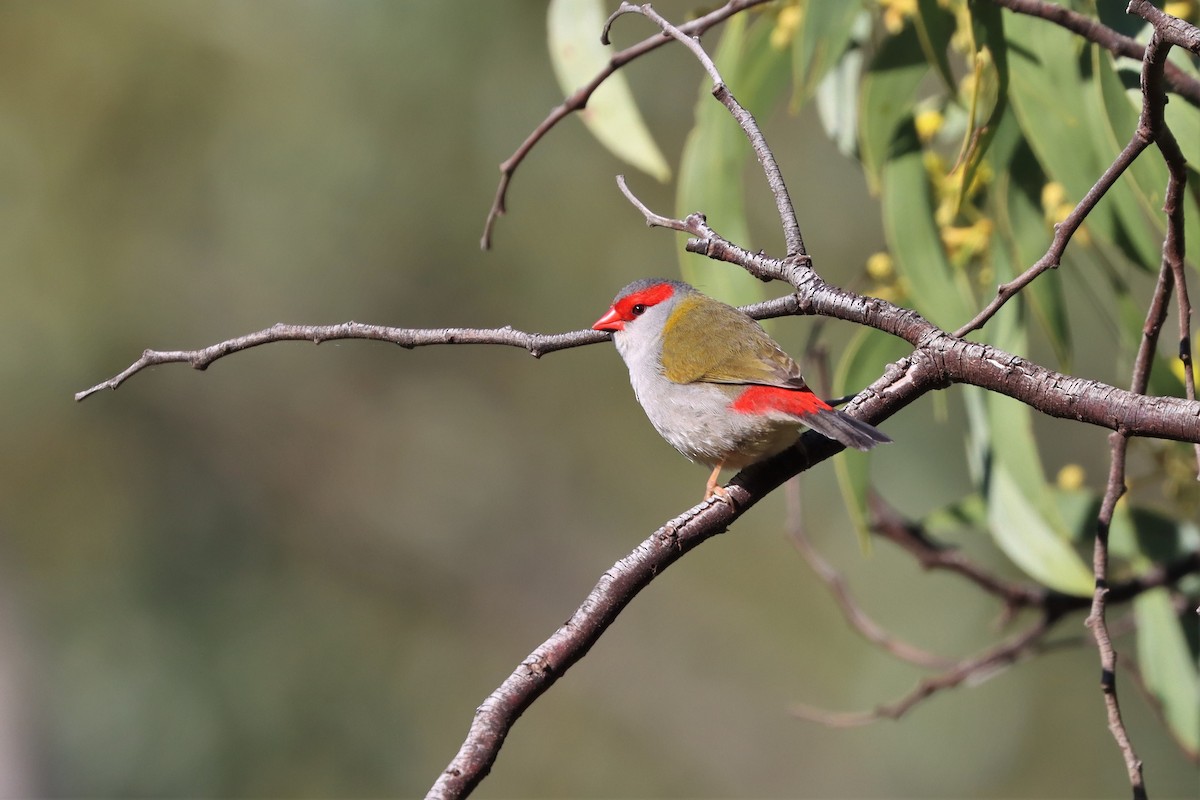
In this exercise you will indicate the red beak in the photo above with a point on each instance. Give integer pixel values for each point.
(609, 322)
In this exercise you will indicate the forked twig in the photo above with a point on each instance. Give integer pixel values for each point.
(977, 669)
(579, 100)
(783, 203)
(854, 614)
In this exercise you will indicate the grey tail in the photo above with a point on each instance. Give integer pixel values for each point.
(844, 428)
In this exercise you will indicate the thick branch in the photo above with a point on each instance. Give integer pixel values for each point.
(545, 665)
(941, 359)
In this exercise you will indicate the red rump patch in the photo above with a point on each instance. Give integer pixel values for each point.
(762, 399)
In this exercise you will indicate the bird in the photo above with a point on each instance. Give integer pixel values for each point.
(713, 383)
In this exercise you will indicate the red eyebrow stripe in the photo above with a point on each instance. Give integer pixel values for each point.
(651, 296)
(762, 399)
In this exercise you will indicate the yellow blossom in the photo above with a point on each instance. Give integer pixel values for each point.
(896, 13)
(786, 25)
(881, 267)
(1070, 478)
(970, 239)
(1183, 9)
(928, 123)
(1177, 367)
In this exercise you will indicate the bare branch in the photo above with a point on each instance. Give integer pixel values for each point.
(932, 555)
(1096, 619)
(579, 100)
(986, 665)
(783, 203)
(538, 344)
(868, 628)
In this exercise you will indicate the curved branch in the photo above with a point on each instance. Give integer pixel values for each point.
(538, 344)
(579, 100)
(545, 665)
(1024, 645)
(783, 203)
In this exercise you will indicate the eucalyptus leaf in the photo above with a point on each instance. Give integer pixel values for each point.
(861, 365)
(1020, 530)
(611, 115)
(826, 30)
(990, 89)
(937, 288)
(1168, 666)
(886, 100)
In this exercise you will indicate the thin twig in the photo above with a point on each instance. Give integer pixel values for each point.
(1096, 619)
(1063, 231)
(579, 100)
(1173, 256)
(783, 203)
(1150, 128)
(868, 628)
(538, 344)
(985, 665)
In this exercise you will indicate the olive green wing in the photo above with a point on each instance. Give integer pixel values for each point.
(709, 342)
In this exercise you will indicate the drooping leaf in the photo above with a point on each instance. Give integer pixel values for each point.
(1024, 234)
(1142, 189)
(839, 117)
(886, 100)
(861, 365)
(611, 114)
(934, 26)
(989, 97)
(1023, 514)
(1057, 104)
(1168, 666)
(825, 32)
(937, 289)
(1021, 531)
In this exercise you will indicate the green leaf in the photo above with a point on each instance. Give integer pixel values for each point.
(1137, 197)
(1020, 530)
(1062, 110)
(937, 289)
(716, 152)
(1168, 668)
(886, 99)
(839, 118)
(1020, 224)
(1023, 513)
(861, 365)
(990, 89)
(825, 32)
(611, 115)
(1142, 189)
(934, 26)
(967, 513)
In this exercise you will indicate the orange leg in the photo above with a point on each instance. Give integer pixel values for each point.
(713, 487)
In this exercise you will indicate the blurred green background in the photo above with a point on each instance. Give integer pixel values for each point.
(297, 574)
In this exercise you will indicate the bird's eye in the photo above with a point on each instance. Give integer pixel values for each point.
(638, 310)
